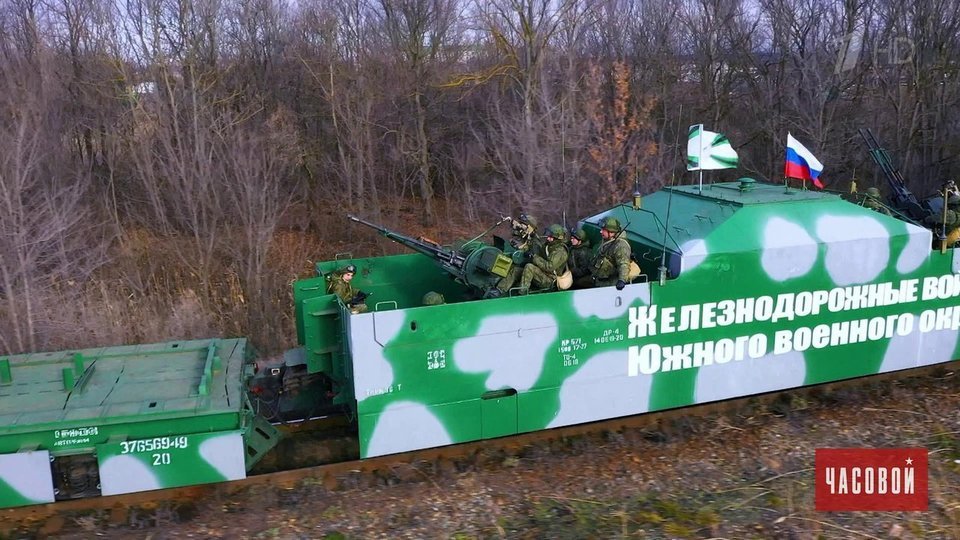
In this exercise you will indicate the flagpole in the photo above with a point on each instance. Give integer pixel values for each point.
(700, 158)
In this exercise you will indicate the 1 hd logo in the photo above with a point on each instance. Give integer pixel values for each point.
(877, 479)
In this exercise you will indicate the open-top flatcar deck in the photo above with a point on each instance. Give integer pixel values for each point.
(122, 419)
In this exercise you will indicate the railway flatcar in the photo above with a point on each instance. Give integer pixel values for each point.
(116, 420)
(745, 288)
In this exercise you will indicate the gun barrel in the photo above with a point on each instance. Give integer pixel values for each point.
(444, 256)
(372, 225)
(900, 196)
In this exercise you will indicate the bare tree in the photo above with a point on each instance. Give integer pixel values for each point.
(523, 29)
(622, 143)
(419, 31)
(49, 239)
(258, 165)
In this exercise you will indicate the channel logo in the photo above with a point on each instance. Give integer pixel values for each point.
(871, 479)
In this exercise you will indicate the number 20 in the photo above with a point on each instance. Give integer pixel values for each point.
(161, 459)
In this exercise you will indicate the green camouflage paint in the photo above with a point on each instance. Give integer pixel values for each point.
(165, 462)
(25, 478)
(775, 291)
(156, 415)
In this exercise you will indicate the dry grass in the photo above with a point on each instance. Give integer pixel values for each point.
(149, 291)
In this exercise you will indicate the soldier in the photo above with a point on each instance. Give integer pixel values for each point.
(611, 264)
(526, 242)
(947, 221)
(872, 201)
(338, 283)
(433, 298)
(525, 237)
(580, 259)
(549, 263)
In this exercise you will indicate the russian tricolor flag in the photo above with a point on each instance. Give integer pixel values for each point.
(801, 163)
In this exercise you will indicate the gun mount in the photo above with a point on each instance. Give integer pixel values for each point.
(477, 265)
(901, 198)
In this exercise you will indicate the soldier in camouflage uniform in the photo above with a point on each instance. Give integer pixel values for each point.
(338, 283)
(611, 264)
(549, 263)
(526, 242)
(581, 259)
(525, 238)
(950, 218)
(872, 201)
(946, 222)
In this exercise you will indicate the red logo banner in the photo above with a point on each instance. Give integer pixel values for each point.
(878, 479)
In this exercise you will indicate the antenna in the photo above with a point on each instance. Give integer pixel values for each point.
(673, 177)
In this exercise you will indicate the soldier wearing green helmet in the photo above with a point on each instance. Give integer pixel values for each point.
(581, 257)
(872, 201)
(611, 264)
(549, 263)
(950, 218)
(433, 298)
(339, 283)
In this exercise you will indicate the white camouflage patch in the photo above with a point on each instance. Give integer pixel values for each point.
(858, 248)
(919, 349)
(601, 389)
(788, 250)
(369, 332)
(693, 252)
(750, 376)
(28, 473)
(917, 250)
(225, 454)
(511, 347)
(405, 426)
(126, 474)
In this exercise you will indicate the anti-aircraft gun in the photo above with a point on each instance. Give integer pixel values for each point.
(477, 265)
(901, 198)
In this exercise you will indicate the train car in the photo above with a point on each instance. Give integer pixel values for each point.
(746, 288)
(124, 419)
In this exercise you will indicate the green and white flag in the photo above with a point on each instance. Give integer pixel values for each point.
(707, 150)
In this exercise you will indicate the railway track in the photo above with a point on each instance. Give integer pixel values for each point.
(324, 451)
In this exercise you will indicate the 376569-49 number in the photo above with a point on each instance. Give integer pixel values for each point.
(152, 445)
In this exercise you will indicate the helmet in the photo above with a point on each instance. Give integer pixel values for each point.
(348, 269)
(556, 231)
(611, 224)
(953, 199)
(433, 298)
(873, 192)
(528, 220)
(579, 234)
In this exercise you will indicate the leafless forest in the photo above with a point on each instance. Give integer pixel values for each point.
(167, 167)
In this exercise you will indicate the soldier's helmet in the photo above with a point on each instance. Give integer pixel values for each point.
(953, 200)
(557, 231)
(348, 269)
(611, 224)
(579, 234)
(433, 298)
(527, 219)
(873, 192)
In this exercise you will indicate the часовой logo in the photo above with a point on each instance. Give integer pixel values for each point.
(879, 479)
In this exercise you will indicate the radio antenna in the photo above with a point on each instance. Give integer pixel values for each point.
(666, 225)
